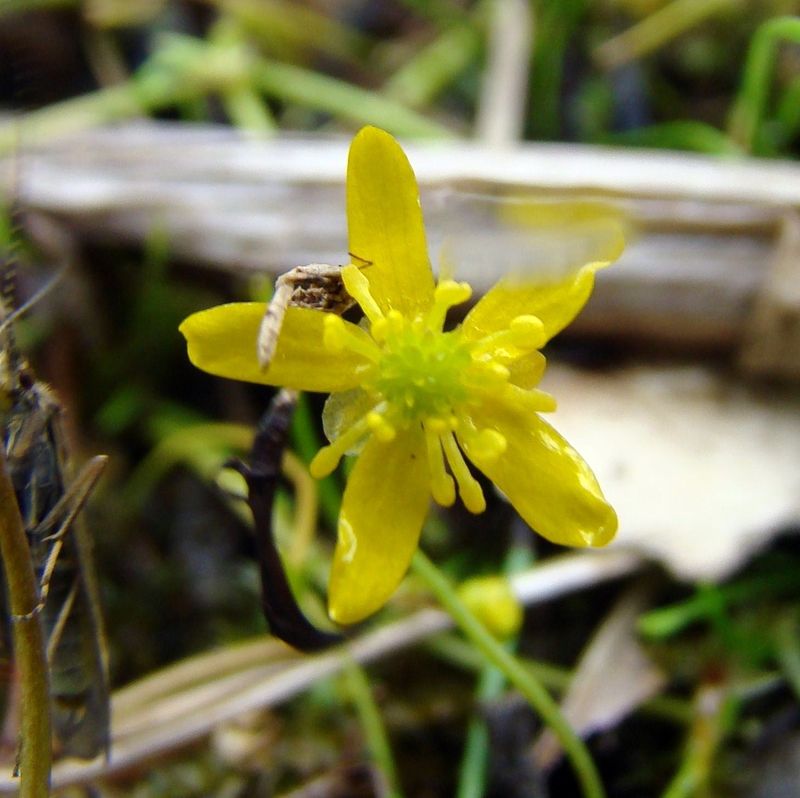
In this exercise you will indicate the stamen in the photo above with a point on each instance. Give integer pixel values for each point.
(524, 332)
(545, 402)
(357, 286)
(381, 428)
(442, 487)
(447, 294)
(533, 400)
(395, 321)
(527, 332)
(337, 336)
(468, 487)
(487, 375)
(497, 372)
(328, 457)
(378, 329)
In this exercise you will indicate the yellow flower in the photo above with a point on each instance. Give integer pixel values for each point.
(414, 402)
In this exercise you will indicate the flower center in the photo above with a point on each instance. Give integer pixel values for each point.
(421, 375)
(421, 370)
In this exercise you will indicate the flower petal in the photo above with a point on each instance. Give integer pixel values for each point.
(545, 479)
(556, 302)
(222, 341)
(384, 506)
(384, 221)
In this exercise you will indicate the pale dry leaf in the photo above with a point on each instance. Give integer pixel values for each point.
(614, 676)
(702, 470)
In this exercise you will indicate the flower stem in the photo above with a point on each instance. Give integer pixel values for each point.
(472, 776)
(373, 727)
(533, 691)
(23, 598)
(490, 686)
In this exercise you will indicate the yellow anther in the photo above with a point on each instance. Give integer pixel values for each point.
(447, 294)
(379, 328)
(443, 490)
(472, 495)
(357, 285)
(395, 321)
(468, 487)
(324, 462)
(532, 399)
(451, 293)
(527, 332)
(523, 334)
(496, 372)
(380, 427)
(328, 457)
(442, 486)
(546, 402)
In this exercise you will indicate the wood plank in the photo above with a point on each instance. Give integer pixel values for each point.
(706, 229)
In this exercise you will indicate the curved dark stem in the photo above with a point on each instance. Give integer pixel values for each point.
(284, 616)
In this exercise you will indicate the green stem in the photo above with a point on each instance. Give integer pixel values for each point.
(287, 29)
(461, 654)
(151, 89)
(490, 686)
(533, 691)
(323, 93)
(247, 111)
(472, 775)
(657, 29)
(681, 135)
(556, 22)
(23, 599)
(715, 709)
(748, 111)
(374, 730)
(787, 115)
(709, 599)
(436, 66)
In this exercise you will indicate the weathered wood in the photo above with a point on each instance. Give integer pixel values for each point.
(705, 229)
(772, 336)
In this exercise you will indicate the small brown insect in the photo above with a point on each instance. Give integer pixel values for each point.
(317, 286)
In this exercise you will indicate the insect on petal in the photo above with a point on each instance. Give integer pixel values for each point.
(221, 341)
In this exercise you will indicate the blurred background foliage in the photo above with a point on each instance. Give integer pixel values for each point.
(173, 547)
(704, 75)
